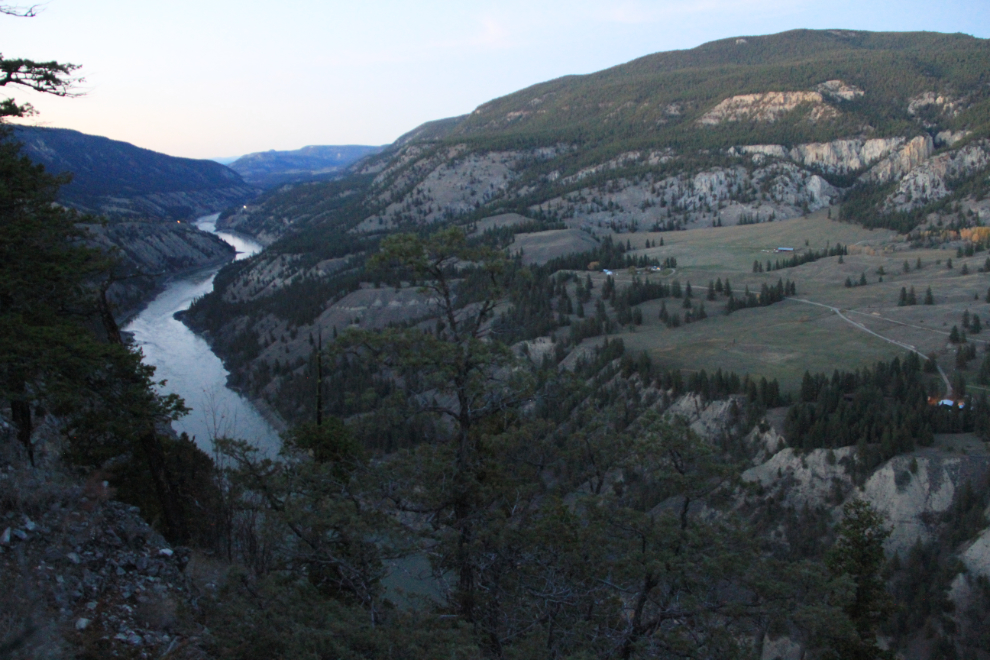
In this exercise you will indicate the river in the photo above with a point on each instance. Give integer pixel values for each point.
(188, 365)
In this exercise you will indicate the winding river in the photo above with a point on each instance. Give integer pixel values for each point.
(188, 365)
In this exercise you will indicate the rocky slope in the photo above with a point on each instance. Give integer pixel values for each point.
(118, 179)
(150, 252)
(919, 494)
(83, 575)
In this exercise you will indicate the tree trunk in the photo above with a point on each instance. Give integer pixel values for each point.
(463, 510)
(167, 495)
(20, 413)
(106, 316)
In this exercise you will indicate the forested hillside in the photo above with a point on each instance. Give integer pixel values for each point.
(117, 179)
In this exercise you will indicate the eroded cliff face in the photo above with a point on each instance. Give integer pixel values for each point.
(420, 184)
(838, 157)
(155, 251)
(768, 107)
(932, 179)
(909, 156)
(912, 490)
(918, 493)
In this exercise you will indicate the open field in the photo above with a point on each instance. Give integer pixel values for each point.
(542, 246)
(784, 340)
(781, 341)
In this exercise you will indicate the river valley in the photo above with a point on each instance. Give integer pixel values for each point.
(188, 365)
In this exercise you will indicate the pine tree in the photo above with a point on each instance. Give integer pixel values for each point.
(858, 554)
(930, 299)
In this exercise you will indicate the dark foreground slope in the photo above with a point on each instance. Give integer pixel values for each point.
(116, 178)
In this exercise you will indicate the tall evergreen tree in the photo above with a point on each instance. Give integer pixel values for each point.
(858, 555)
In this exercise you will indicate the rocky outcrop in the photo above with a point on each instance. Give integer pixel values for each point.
(931, 180)
(912, 491)
(768, 107)
(942, 103)
(909, 156)
(449, 187)
(950, 138)
(818, 477)
(843, 156)
(839, 90)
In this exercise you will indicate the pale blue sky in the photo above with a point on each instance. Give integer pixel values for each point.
(213, 78)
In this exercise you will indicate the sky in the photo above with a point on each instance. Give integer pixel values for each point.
(223, 78)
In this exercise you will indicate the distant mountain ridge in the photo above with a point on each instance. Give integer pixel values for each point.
(272, 168)
(119, 179)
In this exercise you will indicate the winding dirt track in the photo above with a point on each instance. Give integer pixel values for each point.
(836, 310)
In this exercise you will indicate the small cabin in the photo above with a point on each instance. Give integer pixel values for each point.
(785, 249)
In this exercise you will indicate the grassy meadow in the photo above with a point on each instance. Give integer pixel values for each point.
(785, 339)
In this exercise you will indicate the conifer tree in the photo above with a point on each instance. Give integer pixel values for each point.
(858, 555)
